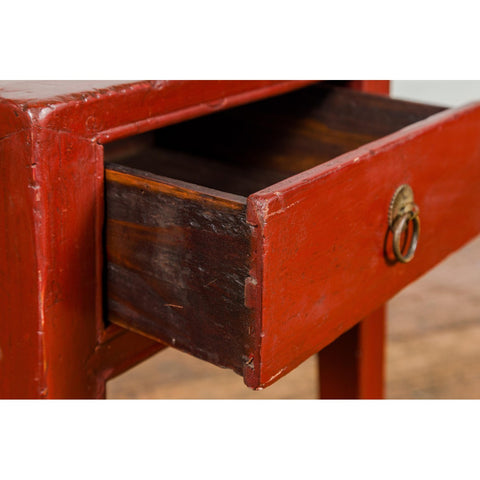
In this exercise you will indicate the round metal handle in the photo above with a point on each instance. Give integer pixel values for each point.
(399, 226)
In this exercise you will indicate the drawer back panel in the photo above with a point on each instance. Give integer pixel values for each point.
(245, 149)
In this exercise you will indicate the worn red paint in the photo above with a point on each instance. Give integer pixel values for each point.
(315, 283)
(52, 340)
(53, 343)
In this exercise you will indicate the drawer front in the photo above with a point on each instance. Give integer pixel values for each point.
(320, 260)
(258, 282)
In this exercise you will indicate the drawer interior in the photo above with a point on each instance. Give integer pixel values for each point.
(247, 148)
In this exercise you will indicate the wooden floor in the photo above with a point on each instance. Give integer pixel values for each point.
(433, 348)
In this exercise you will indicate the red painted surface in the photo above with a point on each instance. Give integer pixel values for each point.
(20, 356)
(119, 351)
(353, 365)
(380, 87)
(96, 110)
(51, 309)
(321, 234)
(52, 341)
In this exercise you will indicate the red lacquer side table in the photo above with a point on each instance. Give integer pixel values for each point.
(55, 338)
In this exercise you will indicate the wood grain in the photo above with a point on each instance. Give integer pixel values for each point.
(293, 132)
(177, 260)
(248, 148)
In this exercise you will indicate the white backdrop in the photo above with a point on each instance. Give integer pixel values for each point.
(437, 92)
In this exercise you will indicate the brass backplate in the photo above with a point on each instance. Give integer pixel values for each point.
(402, 202)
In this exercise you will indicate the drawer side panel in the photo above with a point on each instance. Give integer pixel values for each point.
(177, 260)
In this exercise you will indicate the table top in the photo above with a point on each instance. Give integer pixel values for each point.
(106, 110)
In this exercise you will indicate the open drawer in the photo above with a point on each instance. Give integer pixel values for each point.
(253, 237)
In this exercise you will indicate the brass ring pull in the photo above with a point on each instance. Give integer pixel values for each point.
(402, 211)
(398, 227)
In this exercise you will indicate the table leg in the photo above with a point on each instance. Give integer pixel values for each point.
(353, 365)
(53, 343)
(50, 265)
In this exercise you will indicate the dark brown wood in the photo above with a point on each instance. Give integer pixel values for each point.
(290, 133)
(224, 176)
(248, 148)
(177, 263)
